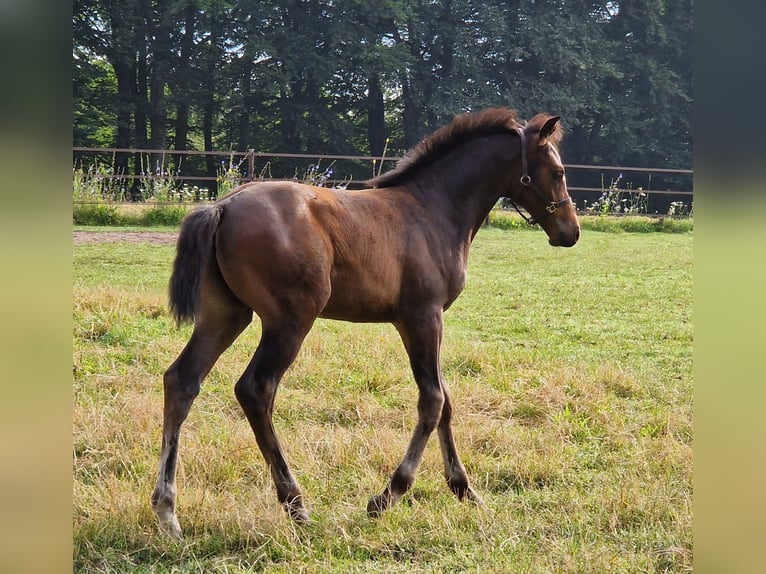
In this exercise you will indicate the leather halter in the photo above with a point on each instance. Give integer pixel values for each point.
(526, 183)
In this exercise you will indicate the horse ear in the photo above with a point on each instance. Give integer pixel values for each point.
(548, 128)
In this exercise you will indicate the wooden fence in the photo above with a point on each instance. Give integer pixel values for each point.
(588, 184)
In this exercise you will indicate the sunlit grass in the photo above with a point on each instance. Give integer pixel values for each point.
(571, 374)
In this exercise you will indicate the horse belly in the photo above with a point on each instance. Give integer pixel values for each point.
(365, 298)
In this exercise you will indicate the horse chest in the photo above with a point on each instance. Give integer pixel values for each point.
(455, 285)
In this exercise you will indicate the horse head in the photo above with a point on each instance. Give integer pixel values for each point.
(542, 189)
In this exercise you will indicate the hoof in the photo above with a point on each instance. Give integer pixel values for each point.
(300, 517)
(464, 492)
(297, 512)
(166, 515)
(377, 505)
(471, 496)
(171, 528)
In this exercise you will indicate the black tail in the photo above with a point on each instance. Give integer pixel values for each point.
(193, 249)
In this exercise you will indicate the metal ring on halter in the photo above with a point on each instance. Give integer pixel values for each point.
(525, 180)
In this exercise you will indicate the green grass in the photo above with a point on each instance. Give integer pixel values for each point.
(139, 216)
(128, 214)
(131, 228)
(506, 219)
(571, 373)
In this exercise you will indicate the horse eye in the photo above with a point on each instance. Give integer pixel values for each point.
(558, 174)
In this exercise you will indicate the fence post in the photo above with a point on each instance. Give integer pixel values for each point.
(251, 164)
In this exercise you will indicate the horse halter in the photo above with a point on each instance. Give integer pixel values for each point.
(526, 183)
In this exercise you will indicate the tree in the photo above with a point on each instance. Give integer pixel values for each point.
(345, 76)
(94, 91)
(648, 121)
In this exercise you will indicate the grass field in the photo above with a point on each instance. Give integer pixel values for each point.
(571, 372)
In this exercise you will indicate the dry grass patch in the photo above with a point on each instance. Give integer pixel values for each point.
(572, 413)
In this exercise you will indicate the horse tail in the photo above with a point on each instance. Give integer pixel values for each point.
(194, 249)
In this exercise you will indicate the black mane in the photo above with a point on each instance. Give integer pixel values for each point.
(445, 139)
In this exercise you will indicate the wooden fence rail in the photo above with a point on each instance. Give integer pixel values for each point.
(241, 168)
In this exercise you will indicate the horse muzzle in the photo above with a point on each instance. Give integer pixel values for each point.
(565, 238)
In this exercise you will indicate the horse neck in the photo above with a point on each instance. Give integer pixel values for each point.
(464, 185)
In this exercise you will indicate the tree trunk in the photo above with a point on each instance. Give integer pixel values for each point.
(376, 116)
(411, 116)
(182, 95)
(207, 134)
(160, 65)
(411, 112)
(124, 73)
(243, 120)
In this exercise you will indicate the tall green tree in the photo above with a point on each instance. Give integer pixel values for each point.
(332, 76)
(94, 94)
(654, 95)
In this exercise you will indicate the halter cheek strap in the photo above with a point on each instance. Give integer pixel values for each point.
(526, 183)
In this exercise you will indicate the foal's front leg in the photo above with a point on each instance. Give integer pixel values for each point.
(421, 339)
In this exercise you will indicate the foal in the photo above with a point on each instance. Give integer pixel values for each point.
(394, 253)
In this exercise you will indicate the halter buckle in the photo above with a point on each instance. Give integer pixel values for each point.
(551, 207)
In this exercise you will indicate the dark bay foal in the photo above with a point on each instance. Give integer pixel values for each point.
(394, 253)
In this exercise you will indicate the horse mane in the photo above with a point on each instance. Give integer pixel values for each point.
(445, 139)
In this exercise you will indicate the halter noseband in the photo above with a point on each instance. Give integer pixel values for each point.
(526, 183)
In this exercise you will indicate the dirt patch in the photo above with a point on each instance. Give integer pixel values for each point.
(165, 237)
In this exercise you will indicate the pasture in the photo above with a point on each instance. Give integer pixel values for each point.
(571, 373)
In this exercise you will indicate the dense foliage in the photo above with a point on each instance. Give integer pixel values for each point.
(343, 76)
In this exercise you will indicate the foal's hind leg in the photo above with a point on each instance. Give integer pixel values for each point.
(454, 472)
(213, 333)
(255, 392)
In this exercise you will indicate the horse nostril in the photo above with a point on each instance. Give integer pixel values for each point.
(566, 239)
